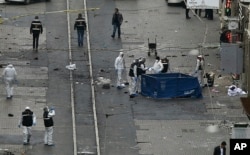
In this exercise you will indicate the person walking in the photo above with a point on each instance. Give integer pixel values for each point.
(200, 69)
(221, 149)
(9, 77)
(133, 75)
(27, 120)
(119, 68)
(158, 66)
(48, 115)
(36, 29)
(80, 26)
(117, 20)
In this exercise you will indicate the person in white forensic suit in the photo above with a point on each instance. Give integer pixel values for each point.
(157, 67)
(119, 68)
(48, 115)
(199, 69)
(9, 77)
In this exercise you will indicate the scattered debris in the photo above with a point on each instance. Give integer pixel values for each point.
(218, 103)
(101, 70)
(71, 67)
(215, 91)
(194, 52)
(212, 129)
(104, 82)
(106, 86)
(10, 115)
(234, 91)
(126, 83)
(107, 115)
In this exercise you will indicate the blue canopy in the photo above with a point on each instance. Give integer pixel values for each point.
(170, 85)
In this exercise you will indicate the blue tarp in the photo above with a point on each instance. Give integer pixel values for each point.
(170, 85)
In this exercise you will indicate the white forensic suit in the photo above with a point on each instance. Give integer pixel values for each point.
(119, 67)
(9, 77)
(200, 69)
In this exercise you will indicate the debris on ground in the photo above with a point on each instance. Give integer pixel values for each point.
(71, 67)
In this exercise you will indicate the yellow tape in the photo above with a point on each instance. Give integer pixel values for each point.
(51, 12)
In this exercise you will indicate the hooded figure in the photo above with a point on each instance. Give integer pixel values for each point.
(27, 120)
(9, 77)
(200, 69)
(48, 123)
(119, 67)
(158, 66)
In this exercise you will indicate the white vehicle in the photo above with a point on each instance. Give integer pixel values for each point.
(175, 1)
(22, 1)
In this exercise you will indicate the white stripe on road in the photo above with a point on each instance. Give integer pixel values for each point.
(92, 81)
(71, 85)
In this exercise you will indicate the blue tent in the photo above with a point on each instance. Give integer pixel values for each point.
(170, 85)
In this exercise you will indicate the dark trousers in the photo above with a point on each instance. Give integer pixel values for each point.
(209, 14)
(197, 12)
(35, 40)
(187, 13)
(80, 34)
(116, 26)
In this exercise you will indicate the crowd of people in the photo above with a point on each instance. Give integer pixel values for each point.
(28, 117)
(138, 68)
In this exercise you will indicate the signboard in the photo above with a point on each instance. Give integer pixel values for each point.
(203, 4)
(244, 0)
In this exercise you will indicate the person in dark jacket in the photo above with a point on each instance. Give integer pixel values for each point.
(27, 120)
(48, 123)
(141, 69)
(220, 150)
(165, 63)
(36, 29)
(117, 20)
(80, 26)
(133, 75)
